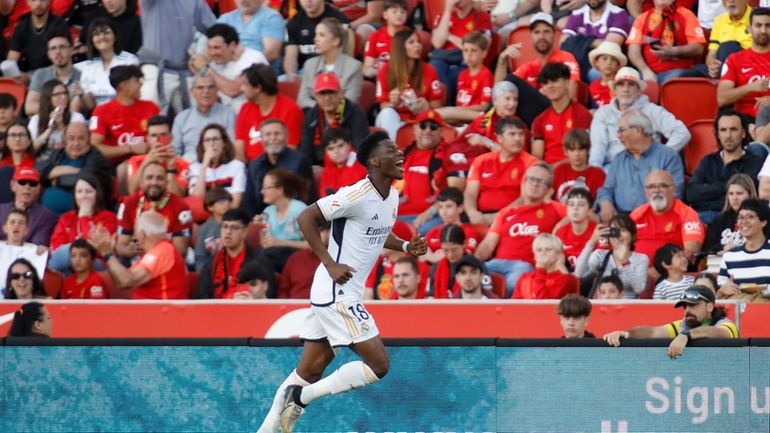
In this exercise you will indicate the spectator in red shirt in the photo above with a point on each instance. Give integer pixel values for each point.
(263, 103)
(480, 136)
(665, 41)
(541, 30)
(85, 282)
(509, 241)
(406, 86)
(340, 165)
(495, 178)
(377, 48)
(17, 149)
(158, 273)
(564, 114)
(219, 276)
(666, 219)
(161, 150)
(550, 279)
(474, 83)
(453, 245)
(449, 206)
(745, 79)
(406, 279)
(607, 58)
(459, 19)
(568, 173)
(576, 234)
(119, 126)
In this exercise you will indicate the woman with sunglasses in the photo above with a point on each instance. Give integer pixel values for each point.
(406, 86)
(31, 320)
(102, 56)
(22, 282)
(47, 127)
(17, 150)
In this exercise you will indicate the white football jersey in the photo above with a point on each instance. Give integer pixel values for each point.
(361, 222)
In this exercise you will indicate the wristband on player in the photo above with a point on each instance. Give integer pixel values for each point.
(405, 247)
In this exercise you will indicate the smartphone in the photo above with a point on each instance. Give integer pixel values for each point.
(614, 232)
(655, 44)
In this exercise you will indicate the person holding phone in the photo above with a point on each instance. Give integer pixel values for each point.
(620, 259)
(161, 150)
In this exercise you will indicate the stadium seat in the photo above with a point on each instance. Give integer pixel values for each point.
(653, 91)
(199, 212)
(498, 284)
(52, 282)
(702, 143)
(433, 10)
(492, 51)
(690, 99)
(480, 229)
(427, 46)
(192, 284)
(15, 88)
(583, 94)
(113, 291)
(252, 235)
(358, 51)
(649, 289)
(290, 88)
(528, 53)
(368, 96)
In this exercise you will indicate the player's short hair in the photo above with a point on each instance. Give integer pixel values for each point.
(332, 135)
(83, 245)
(409, 260)
(576, 138)
(237, 214)
(214, 195)
(368, 144)
(758, 12)
(226, 32)
(553, 71)
(476, 38)
(122, 73)
(451, 193)
(664, 255)
(59, 33)
(392, 4)
(505, 123)
(453, 234)
(8, 101)
(579, 192)
(574, 305)
(758, 206)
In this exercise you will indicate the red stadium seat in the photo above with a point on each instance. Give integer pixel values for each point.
(690, 99)
(433, 10)
(653, 91)
(112, 290)
(492, 51)
(583, 93)
(252, 235)
(702, 143)
(52, 282)
(192, 284)
(368, 96)
(290, 88)
(427, 46)
(498, 284)
(528, 53)
(15, 88)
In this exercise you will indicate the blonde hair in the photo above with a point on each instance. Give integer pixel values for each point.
(744, 181)
(548, 240)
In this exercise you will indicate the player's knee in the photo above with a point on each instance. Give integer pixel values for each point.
(380, 367)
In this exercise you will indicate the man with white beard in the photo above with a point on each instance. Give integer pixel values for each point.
(666, 219)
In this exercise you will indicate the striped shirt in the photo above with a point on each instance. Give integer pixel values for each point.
(669, 290)
(745, 266)
(633, 275)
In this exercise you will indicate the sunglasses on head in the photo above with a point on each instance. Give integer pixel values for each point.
(694, 295)
(19, 275)
(432, 125)
(28, 183)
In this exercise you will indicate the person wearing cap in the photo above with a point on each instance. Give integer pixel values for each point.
(745, 78)
(332, 110)
(628, 88)
(744, 268)
(702, 319)
(423, 159)
(469, 274)
(607, 58)
(331, 37)
(624, 187)
(26, 187)
(495, 179)
(728, 35)
(542, 35)
(118, 127)
(665, 41)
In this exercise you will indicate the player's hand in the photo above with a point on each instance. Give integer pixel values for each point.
(676, 348)
(613, 338)
(417, 246)
(340, 272)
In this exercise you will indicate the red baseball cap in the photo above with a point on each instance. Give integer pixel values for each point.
(325, 82)
(431, 115)
(26, 173)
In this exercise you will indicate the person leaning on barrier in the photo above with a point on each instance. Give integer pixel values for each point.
(702, 319)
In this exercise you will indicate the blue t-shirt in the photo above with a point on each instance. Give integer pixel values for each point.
(266, 23)
(288, 228)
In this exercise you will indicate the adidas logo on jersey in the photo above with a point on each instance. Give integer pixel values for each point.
(340, 292)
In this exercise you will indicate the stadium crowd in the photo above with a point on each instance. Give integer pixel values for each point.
(143, 140)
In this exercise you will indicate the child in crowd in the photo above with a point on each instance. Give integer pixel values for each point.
(550, 279)
(671, 263)
(441, 279)
(449, 203)
(377, 48)
(217, 202)
(340, 165)
(580, 228)
(607, 58)
(568, 173)
(84, 282)
(574, 311)
(253, 282)
(474, 84)
(16, 228)
(609, 287)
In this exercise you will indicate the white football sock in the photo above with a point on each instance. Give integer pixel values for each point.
(350, 376)
(270, 424)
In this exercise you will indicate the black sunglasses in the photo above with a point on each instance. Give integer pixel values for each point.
(28, 183)
(19, 275)
(432, 125)
(694, 295)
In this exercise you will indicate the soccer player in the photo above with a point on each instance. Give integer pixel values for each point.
(362, 216)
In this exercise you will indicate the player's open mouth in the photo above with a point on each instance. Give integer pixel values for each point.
(400, 164)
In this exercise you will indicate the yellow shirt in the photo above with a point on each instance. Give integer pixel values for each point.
(725, 30)
(675, 327)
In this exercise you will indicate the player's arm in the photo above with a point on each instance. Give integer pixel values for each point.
(310, 221)
(416, 247)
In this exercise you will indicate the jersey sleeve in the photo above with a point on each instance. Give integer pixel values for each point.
(431, 83)
(294, 126)
(158, 262)
(182, 224)
(637, 33)
(537, 127)
(673, 328)
(342, 204)
(473, 172)
(729, 70)
(693, 30)
(497, 225)
(126, 213)
(692, 229)
(97, 124)
(730, 326)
